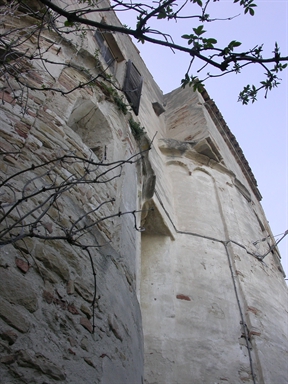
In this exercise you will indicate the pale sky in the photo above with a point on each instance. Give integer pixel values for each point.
(260, 128)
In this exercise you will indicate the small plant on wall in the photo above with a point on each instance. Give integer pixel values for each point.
(113, 96)
(137, 130)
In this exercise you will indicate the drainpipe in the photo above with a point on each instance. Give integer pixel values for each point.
(246, 334)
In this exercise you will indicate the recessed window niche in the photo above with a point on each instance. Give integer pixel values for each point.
(88, 121)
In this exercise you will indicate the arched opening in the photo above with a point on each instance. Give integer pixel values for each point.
(196, 204)
(88, 121)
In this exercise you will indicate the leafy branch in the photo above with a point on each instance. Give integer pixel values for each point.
(17, 54)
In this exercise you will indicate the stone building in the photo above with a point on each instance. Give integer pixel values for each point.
(129, 256)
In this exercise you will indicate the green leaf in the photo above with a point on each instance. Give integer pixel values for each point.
(199, 2)
(212, 41)
(162, 14)
(199, 30)
(209, 43)
(236, 68)
(197, 85)
(68, 23)
(234, 44)
(191, 38)
(185, 81)
(204, 17)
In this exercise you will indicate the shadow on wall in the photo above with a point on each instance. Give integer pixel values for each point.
(88, 121)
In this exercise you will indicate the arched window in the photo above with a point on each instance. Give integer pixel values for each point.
(88, 121)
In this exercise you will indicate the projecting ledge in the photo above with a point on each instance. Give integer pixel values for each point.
(155, 219)
(203, 151)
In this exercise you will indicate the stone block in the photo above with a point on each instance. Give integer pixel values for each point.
(17, 290)
(89, 362)
(86, 324)
(69, 254)
(52, 261)
(84, 290)
(9, 336)
(45, 274)
(114, 326)
(40, 363)
(70, 287)
(13, 317)
(87, 311)
(85, 343)
(7, 360)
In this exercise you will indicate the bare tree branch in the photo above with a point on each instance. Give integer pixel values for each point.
(64, 20)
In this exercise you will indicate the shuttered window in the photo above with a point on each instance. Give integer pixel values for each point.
(133, 86)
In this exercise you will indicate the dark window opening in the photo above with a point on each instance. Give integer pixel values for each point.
(109, 48)
(105, 50)
(133, 86)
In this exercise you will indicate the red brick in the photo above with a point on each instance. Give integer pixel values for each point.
(183, 297)
(253, 310)
(22, 265)
(22, 129)
(7, 97)
(8, 359)
(61, 303)
(72, 309)
(48, 297)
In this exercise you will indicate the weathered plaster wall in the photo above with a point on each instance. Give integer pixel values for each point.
(212, 312)
(202, 293)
